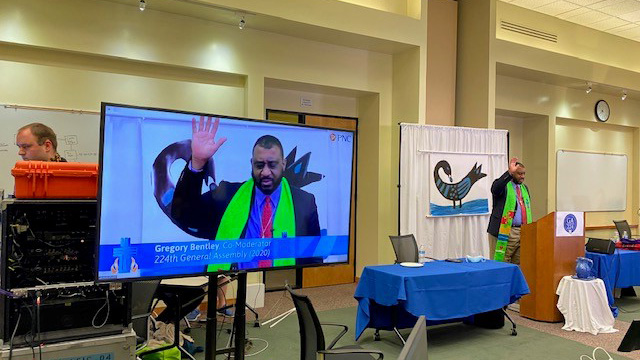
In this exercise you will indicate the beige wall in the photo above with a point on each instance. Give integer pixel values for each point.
(343, 16)
(50, 86)
(401, 7)
(535, 145)
(514, 125)
(566, 121)
(370, 200)
(290, 100)
(442, 22)
(475, 78)
(528, 141)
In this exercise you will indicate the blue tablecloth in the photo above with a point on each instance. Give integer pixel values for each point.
(393, 295)
(618, 270)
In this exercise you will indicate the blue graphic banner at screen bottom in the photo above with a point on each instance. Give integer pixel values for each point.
(127, 260)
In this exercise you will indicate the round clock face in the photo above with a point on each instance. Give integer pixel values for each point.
(602, 110)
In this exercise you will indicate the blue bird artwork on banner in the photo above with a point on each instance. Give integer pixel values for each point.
(458, 190)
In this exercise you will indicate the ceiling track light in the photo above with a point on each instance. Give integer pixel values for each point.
(242, 23)
(142, 5)
(624, 95)
(589, 88)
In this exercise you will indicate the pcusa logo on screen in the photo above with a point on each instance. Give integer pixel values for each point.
(341, 137)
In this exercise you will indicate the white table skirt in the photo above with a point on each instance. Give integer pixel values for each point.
(584, 305)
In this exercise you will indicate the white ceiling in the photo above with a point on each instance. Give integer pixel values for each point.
(618, 17)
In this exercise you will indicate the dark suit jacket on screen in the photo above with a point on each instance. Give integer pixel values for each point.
(203, 212)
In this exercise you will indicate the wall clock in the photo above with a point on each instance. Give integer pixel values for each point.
(602, 110)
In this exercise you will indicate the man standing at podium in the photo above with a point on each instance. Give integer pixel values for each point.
(511, 209)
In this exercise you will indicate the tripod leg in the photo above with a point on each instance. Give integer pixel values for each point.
(256, 322)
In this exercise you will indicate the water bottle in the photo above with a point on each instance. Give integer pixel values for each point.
(625, 236)
(614, 237)
(422, 254)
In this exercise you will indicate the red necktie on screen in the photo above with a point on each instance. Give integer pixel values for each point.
(523, 210)
(266, 227)
(267, 212)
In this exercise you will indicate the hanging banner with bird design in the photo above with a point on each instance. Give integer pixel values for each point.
(458, 185)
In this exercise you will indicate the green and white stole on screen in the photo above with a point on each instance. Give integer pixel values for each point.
(507, 218)
(236, 215)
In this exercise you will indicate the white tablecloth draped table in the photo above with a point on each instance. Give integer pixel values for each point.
(584, 305)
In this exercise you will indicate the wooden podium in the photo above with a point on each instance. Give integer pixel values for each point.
(544, 259)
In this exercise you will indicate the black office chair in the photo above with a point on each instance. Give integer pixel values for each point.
(312, 342)
(623, 226)
(142, 301)
(190, 299)
(405, 247)
(142, 295)
(416, 346)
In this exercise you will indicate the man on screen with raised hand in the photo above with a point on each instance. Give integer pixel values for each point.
(264, 206)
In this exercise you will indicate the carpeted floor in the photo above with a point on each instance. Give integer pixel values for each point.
(535, 340)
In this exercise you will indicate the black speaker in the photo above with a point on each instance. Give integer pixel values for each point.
(602, 246)
(631, 339)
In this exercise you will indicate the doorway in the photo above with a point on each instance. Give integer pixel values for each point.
(324, 275)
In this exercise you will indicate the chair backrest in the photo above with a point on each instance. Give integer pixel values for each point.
(142, 295)
(311, 335)
(622, 226)
(416, 345)
(405, 248)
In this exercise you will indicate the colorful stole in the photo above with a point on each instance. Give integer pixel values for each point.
(236, 215)
(507, 218)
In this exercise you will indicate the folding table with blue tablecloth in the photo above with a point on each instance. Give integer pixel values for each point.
(394, 296)
(618, 270)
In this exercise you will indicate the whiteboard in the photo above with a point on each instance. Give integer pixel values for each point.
(591, 181)
(78, 136)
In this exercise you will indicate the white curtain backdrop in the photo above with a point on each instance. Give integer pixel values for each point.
(454, 236)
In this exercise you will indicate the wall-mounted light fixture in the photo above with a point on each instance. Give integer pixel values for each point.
(142, 5)
(624, 95)
(589, 88)
(242, 22)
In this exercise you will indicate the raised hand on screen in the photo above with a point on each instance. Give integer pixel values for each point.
(203, 143)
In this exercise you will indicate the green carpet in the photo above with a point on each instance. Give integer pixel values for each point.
(453, 341)
(629, 307)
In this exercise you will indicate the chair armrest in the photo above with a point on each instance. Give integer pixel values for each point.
(345, 328)
(321, 353)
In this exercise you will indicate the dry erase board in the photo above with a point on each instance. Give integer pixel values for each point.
(591, 181)
(78, 136)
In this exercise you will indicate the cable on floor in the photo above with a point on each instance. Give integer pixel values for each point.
(593, 354)
(266, 346)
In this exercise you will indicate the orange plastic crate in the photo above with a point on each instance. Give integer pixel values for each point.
(55, 180)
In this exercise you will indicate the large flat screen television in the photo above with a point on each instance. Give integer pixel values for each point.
(184, 193)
